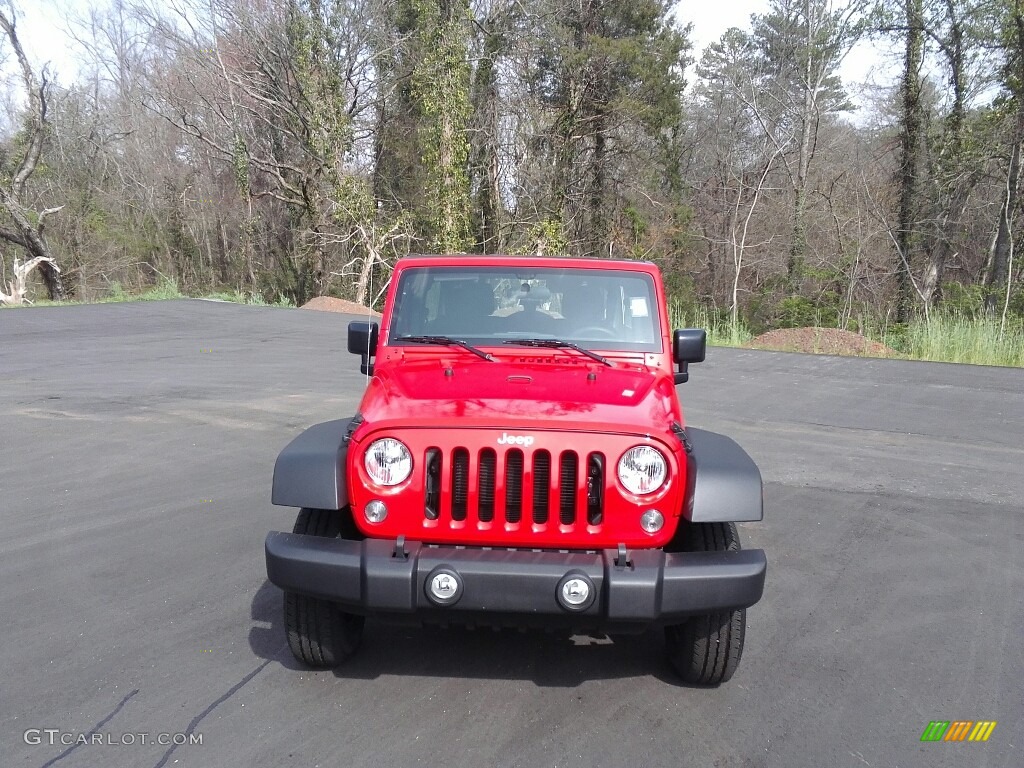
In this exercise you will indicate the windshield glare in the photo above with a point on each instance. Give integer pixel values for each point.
(596, 309)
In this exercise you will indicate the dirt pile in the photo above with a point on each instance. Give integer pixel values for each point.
(821, 341)
(331, 304)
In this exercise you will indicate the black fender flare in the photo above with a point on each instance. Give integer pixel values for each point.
(726, 483)
(310, 471)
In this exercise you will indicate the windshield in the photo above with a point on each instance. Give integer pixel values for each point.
(596, 309)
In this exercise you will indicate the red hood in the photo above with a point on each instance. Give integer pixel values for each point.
(527, 391)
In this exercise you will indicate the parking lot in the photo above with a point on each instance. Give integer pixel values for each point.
(137, 443)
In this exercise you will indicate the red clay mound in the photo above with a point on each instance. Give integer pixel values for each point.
(821, 341)
(331, 304)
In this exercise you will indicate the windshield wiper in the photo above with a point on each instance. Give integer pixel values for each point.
(447, 341)
(558, 344)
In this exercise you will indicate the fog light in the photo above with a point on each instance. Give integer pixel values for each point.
(576, 592)
(652, 520)
(375, 512)
(444, 586)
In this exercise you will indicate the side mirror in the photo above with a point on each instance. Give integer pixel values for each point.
(362, 341)
(688, 346)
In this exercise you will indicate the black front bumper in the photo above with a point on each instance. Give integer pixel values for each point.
(514, 587)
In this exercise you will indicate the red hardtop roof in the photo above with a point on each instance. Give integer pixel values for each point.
(495, 260)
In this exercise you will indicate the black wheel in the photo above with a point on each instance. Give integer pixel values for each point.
(706, 649)
(319, 634)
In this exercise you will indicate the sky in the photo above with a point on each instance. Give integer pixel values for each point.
(711, 19)
(41, 28)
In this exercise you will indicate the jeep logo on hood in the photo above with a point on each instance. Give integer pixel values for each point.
(507, 439)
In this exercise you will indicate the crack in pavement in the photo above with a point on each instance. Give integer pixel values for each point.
(198, 718)
(95, 729)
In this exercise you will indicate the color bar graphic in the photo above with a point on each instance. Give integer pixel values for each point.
(982, 730)
(958, 730)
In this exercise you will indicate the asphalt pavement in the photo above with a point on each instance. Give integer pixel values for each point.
(137, 443)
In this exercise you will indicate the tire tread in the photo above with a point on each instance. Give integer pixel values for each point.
(319, 634)
(706, 650)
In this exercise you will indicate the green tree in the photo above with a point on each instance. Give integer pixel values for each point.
(799, 47)
(912, 126)
(440, 84)
(271, 93)
(609, 74)
(1009, 20)
(955, 28)
(422, 150)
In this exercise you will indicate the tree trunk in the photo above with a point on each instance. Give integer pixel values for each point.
(365, 272)
(798, 248)
(484, 164)
(942, 250)
(910, 150)
(1002, 244)
(31, 238)
(953, 180)
(597, 237)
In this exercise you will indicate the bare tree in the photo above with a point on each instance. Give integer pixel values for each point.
(280, 95)
(736, 155)
(28, 223)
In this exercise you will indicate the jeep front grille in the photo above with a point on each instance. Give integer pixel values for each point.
(557, 488)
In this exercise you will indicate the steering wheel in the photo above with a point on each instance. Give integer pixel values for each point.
(600, 330)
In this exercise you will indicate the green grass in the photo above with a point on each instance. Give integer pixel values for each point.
(952, 337)
(721, 333)
(167, 288)
(945, 337)
(253, 299)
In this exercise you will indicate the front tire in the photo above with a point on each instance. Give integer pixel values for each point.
(706, 650)
(319, 633)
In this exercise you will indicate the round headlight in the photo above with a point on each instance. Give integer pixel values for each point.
(388, 461)
(642, 470)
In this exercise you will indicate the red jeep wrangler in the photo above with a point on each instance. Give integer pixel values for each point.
(520, 458)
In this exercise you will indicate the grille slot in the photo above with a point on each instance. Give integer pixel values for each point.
(460, 483)
(432, 483)
(595, 488)
(567, 471)
(488, 470)
(541, 486)
(514, 486)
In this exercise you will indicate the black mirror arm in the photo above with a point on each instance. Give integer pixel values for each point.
(683, 375)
